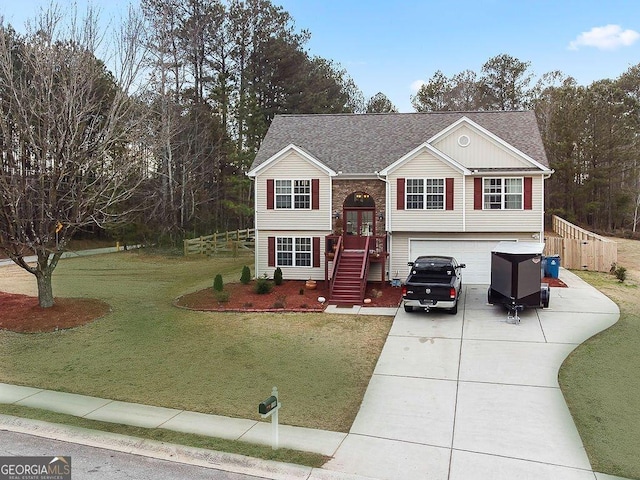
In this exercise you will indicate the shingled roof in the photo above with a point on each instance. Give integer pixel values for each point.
(365, 143)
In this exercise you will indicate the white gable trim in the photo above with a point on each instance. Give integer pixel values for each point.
(470, 123)
(431, 149)
(275, 158)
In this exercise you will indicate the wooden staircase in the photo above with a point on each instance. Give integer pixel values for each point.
(349, 280)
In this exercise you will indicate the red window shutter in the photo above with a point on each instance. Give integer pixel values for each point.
(400, 193)
(271, 251)
(477, 193)
(270, 194)
(315, 194)
(449, 193)
(528, 193)
(316, 251)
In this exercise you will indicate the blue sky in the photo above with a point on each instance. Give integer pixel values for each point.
(391, 46)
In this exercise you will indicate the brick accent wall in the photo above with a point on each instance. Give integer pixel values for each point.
(376, 188)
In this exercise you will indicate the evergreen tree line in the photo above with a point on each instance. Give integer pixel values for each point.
(216, 72)
(220, 72)
(590, 133)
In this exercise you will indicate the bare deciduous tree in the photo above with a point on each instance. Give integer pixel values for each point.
(67, 126)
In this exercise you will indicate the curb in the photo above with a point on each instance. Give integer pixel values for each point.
(228, 462)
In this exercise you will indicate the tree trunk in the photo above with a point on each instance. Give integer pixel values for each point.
(45, 288)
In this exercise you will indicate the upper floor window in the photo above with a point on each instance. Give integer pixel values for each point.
(293, 193)
(293, 252)
(503, 193)
(425, 193)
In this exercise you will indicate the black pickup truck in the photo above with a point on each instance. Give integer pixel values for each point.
(433, 282)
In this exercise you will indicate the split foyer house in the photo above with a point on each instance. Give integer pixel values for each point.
(354, 197)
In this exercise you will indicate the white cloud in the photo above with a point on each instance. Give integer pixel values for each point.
(415, 86)
(608, 37)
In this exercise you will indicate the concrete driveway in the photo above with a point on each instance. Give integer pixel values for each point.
(472, 396)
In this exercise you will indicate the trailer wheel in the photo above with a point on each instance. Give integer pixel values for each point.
(408, 308)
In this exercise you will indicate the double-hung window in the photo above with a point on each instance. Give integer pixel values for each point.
(503, 194)
(425, 193)
(293, 194)
(293, 251)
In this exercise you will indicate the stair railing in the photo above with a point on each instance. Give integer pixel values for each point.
(364, 270)
(336, 261)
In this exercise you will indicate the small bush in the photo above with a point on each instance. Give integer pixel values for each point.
(277, 276)
(217, 283)
(222, 297)
(621, 274)
(280, 301)
(245, 277)
(301, 292)
(263, 286)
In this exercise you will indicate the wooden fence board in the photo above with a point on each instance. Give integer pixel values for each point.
(580, 249)
(232, 240)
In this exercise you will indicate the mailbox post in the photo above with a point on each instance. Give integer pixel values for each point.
(269, 408)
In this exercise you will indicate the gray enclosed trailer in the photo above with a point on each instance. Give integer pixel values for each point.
(516, 273)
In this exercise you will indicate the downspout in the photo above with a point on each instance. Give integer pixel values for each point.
(387, 220)
(256, 242)
(544, 177)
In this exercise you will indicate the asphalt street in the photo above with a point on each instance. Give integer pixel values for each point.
(101, 464)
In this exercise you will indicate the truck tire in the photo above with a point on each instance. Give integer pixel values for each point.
(408, 308)
(454, 310)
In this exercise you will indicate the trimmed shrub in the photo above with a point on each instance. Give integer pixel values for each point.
(277, 276)
(222, 297)
(245, 277)
(621, 274)
(217, 283)
(263, 286)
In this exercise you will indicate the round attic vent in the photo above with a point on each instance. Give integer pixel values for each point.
(464, 140)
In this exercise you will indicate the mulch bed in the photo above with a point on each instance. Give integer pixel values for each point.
(554, 282)
(23, 314)
(291, 296)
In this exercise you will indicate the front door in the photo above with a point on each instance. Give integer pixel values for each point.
(359, 224)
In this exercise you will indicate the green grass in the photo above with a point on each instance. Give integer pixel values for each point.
(148, 351)
(600, 383)
(168, 436)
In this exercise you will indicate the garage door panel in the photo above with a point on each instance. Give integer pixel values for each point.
(476, 254)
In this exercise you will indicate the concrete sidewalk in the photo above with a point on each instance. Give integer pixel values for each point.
(147, 416)
(451, 398)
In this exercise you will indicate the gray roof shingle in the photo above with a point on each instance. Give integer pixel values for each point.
(365, 143)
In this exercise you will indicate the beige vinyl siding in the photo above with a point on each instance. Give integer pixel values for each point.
(506, 220)
(482, 151)
(288, 273)
(399, 255)
(293, 167)
(425, 165)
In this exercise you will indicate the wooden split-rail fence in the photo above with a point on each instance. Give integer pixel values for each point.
(231, 241)
(580, 249)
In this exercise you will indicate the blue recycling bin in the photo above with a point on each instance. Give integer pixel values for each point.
(553, 266)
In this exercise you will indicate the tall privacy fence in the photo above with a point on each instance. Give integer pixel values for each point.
(231, 241)
(580, 249)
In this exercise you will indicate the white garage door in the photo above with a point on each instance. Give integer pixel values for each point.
(476, 254)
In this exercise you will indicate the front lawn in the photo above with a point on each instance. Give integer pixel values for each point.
(600, 383)
(148, 351)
